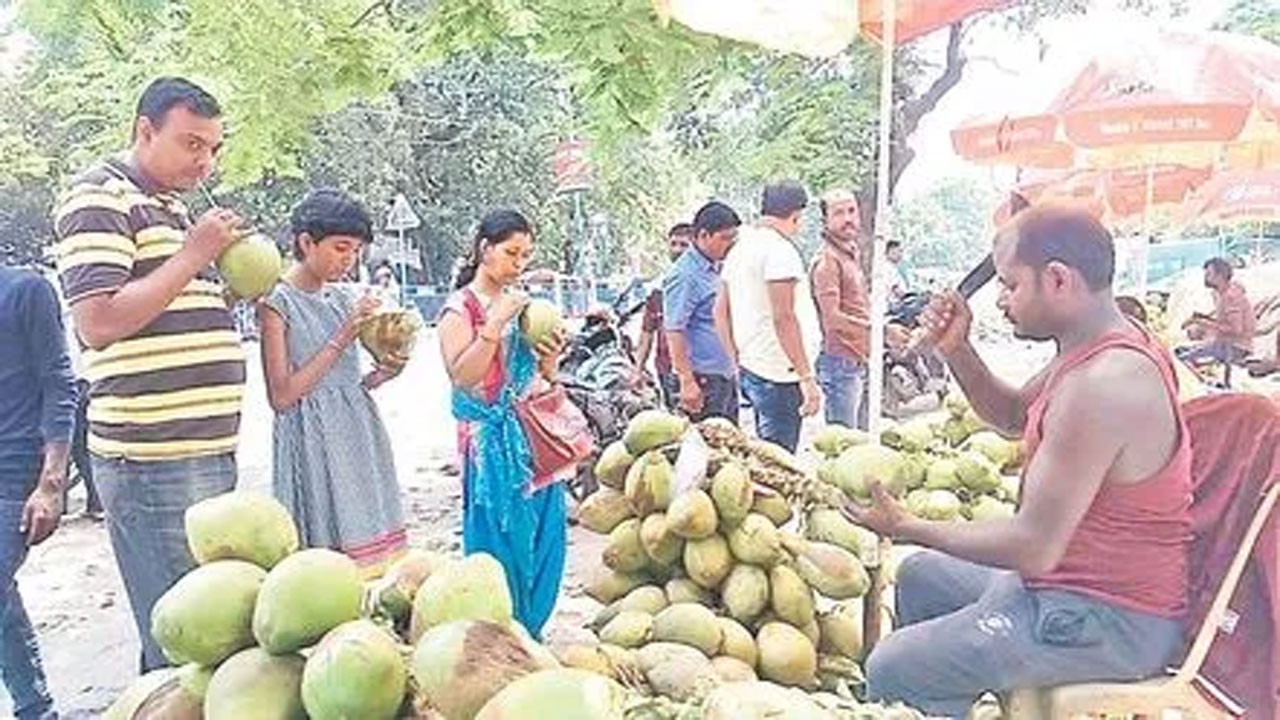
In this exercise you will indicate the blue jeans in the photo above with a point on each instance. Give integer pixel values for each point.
(965, 629)
(777, 409)
(19, 654)
(1219, 351)
(145, 504)
(844, 383)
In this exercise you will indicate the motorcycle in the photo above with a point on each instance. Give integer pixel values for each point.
(599, 375)
(910, 374)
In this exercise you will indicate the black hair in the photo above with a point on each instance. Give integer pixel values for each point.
(1073, 237)
(780, 200)
(328, 211)
(496, 228)
(892, 244)
(714, 217)
(1220, 267)
(1132, 307)
(681, 230)
(166, 93)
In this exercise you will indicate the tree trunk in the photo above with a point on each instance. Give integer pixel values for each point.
(906, 119)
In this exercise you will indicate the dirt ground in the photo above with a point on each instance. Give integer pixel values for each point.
(77, 603)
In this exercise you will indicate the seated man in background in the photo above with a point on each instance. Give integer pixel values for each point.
(1226, 336)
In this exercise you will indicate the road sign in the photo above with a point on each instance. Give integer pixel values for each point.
(402, 216)
(572, 172)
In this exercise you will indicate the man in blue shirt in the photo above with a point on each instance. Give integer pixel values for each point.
(37, 410)
(702, 367)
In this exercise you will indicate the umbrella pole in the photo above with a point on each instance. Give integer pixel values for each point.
(1144, 249)
(879, 298)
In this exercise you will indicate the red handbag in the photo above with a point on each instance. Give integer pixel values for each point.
(559, 436)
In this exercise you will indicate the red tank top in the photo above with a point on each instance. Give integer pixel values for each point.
(1131, 547)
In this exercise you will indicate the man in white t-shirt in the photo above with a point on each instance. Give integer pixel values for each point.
(766, 311)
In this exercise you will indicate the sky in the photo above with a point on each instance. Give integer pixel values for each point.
(1007, 75)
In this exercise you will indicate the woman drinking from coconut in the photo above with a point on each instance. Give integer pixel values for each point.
(333, 467)
(507, 512)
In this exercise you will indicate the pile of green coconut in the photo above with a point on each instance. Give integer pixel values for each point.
(944, 466)
(263, 630)
(737, 572)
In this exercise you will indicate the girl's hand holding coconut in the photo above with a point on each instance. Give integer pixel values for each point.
(364, 309)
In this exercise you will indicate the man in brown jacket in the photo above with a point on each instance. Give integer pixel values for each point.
(840, 292)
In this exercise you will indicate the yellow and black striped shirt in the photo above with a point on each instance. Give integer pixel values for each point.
(173, 390)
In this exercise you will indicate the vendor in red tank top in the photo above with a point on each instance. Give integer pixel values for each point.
(1087, 581)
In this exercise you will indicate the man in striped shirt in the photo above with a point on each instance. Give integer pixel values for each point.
(164, 362)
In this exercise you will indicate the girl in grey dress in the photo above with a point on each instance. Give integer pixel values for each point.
(333, 466)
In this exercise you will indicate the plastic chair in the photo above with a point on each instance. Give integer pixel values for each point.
(1184, 691)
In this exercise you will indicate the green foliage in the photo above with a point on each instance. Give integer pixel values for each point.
(459, 104)
(1254, 17)
(949, 226)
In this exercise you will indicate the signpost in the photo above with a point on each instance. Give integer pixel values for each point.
(402, 218)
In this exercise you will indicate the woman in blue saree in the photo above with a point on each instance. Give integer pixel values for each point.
(505, 514)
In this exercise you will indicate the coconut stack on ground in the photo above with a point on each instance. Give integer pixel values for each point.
(264, 630)
(709, 584)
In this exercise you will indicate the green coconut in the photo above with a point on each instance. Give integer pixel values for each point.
(625, 553)
(158, 694)
(355, 672)
(858, 466)
(692, 515)
(308, 594)
(604, 510)
(459, 666)
(731, 493)
(691, 624)
(745, 593)
(251, 266)
(652, 429)
(707, 561)
(756, 541)
(786, 655)
(208, 614)
(834, 439)
(240, 525)
(789, 596)
(648, 484)
(538, 321)
(611, 467)
(474, 588)
(255, 685)
(565, 694)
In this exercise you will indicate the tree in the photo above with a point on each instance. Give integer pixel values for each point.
(948, 226)
(1254, 17)
(671, 116)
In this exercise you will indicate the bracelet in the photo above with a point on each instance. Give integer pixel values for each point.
(487, 338)
(334, 344)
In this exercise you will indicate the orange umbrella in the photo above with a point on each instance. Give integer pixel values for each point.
(918, 17)
(1166, 97)
(1236, 197)
(1029, 142)
(1113, 194)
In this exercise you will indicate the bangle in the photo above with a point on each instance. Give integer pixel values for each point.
(487, 338)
